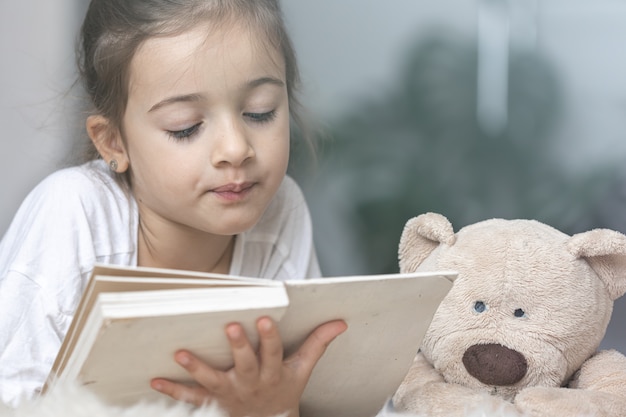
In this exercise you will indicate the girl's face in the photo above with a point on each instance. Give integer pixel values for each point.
(206, 129)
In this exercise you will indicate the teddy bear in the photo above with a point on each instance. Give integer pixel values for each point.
(519, 332)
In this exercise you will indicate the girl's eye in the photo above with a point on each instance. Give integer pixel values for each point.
(261, 117)
(184, 134)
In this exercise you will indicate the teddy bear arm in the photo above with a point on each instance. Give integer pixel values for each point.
(424, 391)
(598, 389)
(603, 372)
(568, 402)
(441, 399)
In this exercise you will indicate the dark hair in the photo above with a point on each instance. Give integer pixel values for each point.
(113, 30)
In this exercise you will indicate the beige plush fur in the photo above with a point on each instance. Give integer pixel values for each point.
(520, 328)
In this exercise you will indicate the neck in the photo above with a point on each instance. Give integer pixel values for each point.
(183, 248)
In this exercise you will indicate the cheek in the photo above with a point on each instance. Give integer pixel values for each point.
(282, 155)
(279, 149)
(159, 171)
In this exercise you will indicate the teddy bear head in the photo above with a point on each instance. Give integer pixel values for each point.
(530, 303)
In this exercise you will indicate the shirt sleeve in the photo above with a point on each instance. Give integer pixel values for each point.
(30, 336)
(44, 258)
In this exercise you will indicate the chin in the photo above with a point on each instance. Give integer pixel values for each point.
(235, 227)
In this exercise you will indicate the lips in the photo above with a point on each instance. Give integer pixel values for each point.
(233, 188)
(234, 192)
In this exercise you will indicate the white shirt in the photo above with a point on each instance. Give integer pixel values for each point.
(79, 216)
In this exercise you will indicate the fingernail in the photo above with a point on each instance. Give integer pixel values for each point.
(233, 331)
(265, 324)
(184, 360)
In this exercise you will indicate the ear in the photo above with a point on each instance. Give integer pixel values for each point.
(108, 141)
(421, 235)
(605, 251)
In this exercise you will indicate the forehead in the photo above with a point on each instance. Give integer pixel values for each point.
(228, 55)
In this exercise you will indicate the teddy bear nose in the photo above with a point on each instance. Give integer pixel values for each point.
(494, 364)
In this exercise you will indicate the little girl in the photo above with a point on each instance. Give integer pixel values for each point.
(192, 102)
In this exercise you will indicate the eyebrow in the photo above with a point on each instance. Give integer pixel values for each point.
(265, 80)
(185, 98)
(194, 98)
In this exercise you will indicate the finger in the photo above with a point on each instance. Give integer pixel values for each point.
(195, 395)
(315, 345)
(244, 357)
(203, 374)
(270, 350)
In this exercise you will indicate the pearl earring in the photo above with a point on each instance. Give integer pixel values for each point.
(113, 165)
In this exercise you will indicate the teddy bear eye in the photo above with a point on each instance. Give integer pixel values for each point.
(519, 313)
(480, 307)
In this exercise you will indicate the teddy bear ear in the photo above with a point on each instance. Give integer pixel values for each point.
(605, 251)
(421, 235)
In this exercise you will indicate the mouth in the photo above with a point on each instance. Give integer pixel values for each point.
(234, 191)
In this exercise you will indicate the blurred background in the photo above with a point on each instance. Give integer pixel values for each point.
(473, 109)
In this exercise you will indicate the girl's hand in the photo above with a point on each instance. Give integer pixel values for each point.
(258, 385)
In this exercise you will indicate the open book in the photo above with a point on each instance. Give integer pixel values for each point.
(130, 322)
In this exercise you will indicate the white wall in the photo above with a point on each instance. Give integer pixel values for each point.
(36, 46)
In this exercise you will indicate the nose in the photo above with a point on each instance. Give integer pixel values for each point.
(494, 364)
(231, 145)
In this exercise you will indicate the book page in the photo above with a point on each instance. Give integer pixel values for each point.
(148, 272)
(130, 338)
(122, 279)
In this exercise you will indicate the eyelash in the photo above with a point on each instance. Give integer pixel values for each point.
(261, 117)
(184, 134)
(188, 133)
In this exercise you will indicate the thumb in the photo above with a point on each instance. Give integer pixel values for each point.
(307, 356)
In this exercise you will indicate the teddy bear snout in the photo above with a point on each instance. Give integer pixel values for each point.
(494, 364)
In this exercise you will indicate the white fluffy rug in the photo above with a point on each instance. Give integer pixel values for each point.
(78, 402)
